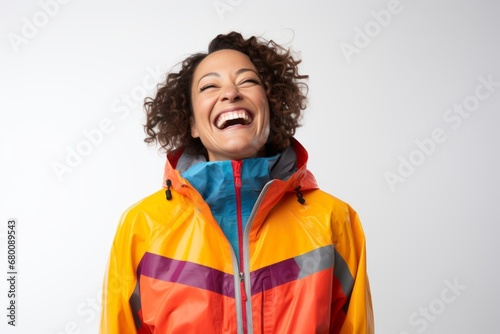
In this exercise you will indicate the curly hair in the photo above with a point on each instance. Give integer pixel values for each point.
(168, 113)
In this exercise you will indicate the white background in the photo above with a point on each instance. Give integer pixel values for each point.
(69, 67)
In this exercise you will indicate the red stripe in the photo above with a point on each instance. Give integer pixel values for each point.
(237, 184)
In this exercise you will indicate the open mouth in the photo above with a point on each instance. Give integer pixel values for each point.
(231, 118)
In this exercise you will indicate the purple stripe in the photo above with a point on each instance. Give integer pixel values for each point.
(274, 275)
(187, 273)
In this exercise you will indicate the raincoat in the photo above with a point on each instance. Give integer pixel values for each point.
(298, 265)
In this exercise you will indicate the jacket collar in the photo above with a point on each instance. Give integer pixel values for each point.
(178, 161)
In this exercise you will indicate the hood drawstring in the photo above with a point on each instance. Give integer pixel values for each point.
(299, 194)
(168, 192)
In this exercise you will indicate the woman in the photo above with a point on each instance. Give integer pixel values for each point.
(241, 240)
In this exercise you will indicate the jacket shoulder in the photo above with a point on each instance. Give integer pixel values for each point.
(342, 216)
(330, 201)
(148, 212)
(151, 200)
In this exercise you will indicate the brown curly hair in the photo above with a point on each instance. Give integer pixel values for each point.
(168, 113)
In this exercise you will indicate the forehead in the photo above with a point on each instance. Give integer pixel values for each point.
(223, 60)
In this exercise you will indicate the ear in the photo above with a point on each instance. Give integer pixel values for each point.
(194, 129)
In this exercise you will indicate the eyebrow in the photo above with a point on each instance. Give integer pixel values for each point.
(238, 72)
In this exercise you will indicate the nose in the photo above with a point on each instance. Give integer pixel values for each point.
(230, 94)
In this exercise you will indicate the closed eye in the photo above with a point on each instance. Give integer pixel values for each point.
(207, 86)
(251, 81)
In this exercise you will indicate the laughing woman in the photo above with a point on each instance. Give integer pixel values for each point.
(241, 239)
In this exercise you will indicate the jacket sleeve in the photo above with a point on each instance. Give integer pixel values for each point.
(120, 281)
(350, 249)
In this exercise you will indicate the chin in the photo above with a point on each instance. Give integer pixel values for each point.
(242, 154)
(244, 150)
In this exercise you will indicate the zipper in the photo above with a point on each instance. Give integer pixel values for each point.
(244, 266)
(236, 164)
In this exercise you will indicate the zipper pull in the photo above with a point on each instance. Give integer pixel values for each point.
(237, 172)
(242, 287)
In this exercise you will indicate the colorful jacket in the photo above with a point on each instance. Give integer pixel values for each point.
(302, 266)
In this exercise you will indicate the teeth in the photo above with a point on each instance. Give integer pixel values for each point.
(231, 115)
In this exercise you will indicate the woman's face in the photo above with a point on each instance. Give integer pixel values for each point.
(230, 107)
